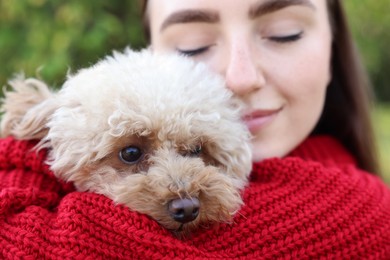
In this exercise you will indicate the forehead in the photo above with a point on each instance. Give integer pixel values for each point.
(163, 14)
(162, 8)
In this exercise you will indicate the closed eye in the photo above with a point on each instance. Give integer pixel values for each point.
(193, 52)
(287, 38)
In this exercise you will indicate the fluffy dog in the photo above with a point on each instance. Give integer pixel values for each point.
(157, 133)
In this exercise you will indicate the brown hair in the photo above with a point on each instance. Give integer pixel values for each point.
(145, 19)
(347, 111)
(346, 114)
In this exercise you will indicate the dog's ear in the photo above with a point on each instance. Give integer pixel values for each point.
(26, 109)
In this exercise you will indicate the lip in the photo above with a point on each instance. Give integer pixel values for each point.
(257, 119)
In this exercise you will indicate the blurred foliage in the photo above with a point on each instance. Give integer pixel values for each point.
(53, 36)
(370, 22)
(382, 127)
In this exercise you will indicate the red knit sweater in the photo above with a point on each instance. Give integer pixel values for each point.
(314, 203)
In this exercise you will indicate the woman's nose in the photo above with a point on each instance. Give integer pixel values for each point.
(242, 73)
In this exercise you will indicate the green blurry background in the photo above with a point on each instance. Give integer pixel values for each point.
(49, 38)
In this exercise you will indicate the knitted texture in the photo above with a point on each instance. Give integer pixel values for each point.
(312, 204)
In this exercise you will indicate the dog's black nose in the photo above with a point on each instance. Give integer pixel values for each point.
(184, 210)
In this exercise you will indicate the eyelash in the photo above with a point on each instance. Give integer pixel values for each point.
(286, 39)
(277, 39)
(193, 52)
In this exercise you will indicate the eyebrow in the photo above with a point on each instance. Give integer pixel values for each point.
(190, 16)
(210, 16)
(271, 6)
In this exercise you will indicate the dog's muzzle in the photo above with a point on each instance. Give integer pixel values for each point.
(184, 210)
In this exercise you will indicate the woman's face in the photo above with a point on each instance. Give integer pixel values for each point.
(274, 55)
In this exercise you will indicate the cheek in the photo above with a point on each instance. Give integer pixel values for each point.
(306, 79)
(305, 97)
(308, 82)
(299, 82)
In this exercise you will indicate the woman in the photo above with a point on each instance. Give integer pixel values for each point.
(268, 52)
(313, 190)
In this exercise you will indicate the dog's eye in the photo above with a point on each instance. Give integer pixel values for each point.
(130, 154)
(197, 151)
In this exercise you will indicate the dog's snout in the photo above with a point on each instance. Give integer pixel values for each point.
(184, 210)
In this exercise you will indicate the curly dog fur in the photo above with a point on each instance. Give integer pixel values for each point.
(152, 132)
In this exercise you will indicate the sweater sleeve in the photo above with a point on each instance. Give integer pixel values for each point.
(296, 207)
